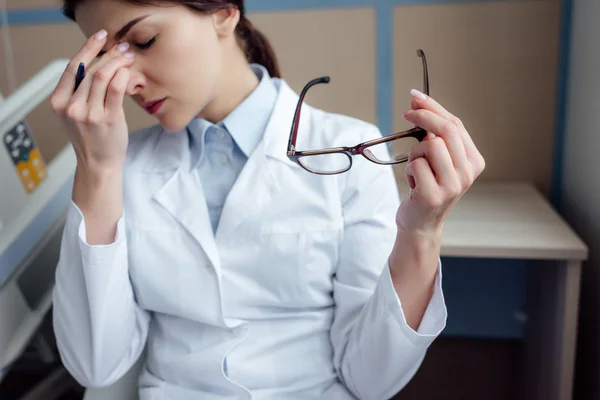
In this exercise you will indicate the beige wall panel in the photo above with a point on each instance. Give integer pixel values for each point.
(22, 4)
(338, 43)
(495, 66)
(33, 48)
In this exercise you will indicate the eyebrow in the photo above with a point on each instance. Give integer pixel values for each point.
(125, 30)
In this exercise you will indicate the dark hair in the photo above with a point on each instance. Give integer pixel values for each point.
(256, 46)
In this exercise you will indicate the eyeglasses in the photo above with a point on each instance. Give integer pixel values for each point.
(391, 149)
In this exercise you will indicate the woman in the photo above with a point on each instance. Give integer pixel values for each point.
(240, 273)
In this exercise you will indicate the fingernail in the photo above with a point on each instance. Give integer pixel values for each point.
(129, 55)
(419, 95)
(123, 47)
(101, 35)
(407, 113)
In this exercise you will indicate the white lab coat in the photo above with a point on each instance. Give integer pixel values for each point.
(290, 298)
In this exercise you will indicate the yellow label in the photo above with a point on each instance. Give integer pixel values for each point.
(32, 171)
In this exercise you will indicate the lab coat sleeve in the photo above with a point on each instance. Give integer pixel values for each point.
(376, 353)
(99, 328)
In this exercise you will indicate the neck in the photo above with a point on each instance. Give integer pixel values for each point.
(237, 82)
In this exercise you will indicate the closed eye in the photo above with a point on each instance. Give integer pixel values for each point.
(146, 45)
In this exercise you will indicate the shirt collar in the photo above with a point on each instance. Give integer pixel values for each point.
(248, 121)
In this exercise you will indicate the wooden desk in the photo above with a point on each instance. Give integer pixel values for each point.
(516, 221)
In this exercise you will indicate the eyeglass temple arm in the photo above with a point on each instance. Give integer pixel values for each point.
(296, 120)
(421, 54)
(326, 79)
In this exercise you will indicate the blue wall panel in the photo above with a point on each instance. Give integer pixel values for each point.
(485, 297)
(561, 98)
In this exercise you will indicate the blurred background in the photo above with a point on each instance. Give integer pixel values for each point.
(524, 310)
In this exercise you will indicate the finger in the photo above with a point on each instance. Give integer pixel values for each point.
(102, 78)
(424, 180)
(420, 100)
(470, 148)
(117, 51)
(83, 92)
(116, 91)
(443, 128)
(436, 153)
(64, 89)
(409, 178)
(95, 73)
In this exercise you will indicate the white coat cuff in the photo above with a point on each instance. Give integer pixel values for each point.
(95, 254)
(434, 319)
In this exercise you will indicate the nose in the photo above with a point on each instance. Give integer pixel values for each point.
(137, 81)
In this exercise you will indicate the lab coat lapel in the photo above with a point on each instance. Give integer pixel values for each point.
(182, 197)
(249, 195)
(256, 184)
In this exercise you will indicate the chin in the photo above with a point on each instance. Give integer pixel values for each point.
(173, 123)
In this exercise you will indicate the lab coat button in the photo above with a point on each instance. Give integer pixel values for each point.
(223, 159)
(220, 134)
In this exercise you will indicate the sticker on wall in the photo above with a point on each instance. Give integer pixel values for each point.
(26, 157)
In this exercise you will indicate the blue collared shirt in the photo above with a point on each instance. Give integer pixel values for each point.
(220, 151)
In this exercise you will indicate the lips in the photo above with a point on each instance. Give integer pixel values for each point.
(152, 107)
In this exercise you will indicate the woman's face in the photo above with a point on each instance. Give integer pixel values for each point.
(178, 54)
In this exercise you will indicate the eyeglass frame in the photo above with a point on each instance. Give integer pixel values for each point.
(359, 149)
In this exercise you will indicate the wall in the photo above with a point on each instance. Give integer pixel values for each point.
(493, 63)
(580, 189)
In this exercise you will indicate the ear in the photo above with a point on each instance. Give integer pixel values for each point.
(225, 21)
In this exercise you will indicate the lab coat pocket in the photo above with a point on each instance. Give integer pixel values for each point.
(319, 260)
(172, 275)
(297, 264)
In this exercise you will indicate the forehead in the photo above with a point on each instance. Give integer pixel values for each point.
(112, 15)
